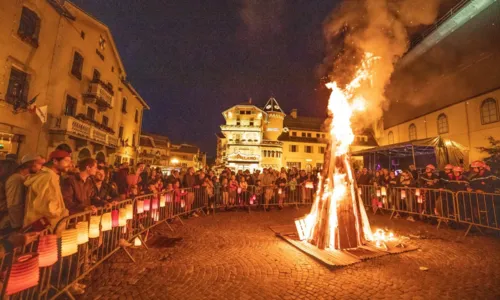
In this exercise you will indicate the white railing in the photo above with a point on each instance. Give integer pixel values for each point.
(73, 126)
(97, 90)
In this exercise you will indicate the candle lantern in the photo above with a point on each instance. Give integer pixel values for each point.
(140, 206)
(163, 200)
(115, 218)
(309, 185)
(383, 191)
(122, 217)
(417, 192)
(403, 194)
(129, 208)
(147, 205)
(183, 203)
(137, 242)
(154, 204)
(239, 190)
(378, 193)
(24, 273)
(106, 222)
(280, 191)
(47, 250)
(419, 199)
(83, 232)
(69, 239)
(94, 227)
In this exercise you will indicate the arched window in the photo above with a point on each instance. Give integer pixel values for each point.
(489, 111)
(412, 132)
(390, 138)
(442, 124)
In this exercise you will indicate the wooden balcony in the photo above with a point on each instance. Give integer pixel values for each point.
(82, 130)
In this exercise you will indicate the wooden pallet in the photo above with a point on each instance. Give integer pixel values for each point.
(337, 258)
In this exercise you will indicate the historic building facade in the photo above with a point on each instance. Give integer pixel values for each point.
(62, 82)
(458, 101)
(256, 138)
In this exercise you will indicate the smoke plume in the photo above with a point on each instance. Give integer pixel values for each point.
(379, 27)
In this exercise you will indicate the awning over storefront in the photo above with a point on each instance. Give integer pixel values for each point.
(444, 150)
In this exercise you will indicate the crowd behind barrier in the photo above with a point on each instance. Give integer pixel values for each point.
(81, 215)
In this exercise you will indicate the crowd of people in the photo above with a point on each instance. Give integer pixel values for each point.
(479, 178)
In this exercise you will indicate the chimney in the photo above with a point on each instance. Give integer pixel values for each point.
(293, 113)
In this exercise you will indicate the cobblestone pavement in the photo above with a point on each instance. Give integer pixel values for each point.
(235, 255)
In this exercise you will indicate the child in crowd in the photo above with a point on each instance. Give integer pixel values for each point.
(225, 192)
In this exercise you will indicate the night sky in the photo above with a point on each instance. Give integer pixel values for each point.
(191, 60)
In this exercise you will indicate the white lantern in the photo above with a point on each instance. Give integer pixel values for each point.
(163, 200)
(137, 242)
(417, 192)
(129, 208)
(403, 194)
(183, 203)
(122, 218)
(378, 193)
(383, 191)
(140, 206)
(69, 245)
(94, 231)
(83, 232)
(106, 222)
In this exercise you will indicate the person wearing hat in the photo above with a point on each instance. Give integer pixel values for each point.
(15, 190)
(44, 198)
(446, 175)
(481, 180)
(429, 180)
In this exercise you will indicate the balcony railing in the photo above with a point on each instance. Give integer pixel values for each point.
(72, 126)
(241, 127)
(98, 93)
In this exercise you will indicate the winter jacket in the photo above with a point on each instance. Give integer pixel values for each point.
(44, 198)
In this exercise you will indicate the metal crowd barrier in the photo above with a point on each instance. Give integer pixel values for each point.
(479, 210)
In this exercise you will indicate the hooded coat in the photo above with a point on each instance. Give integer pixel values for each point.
(44, 198)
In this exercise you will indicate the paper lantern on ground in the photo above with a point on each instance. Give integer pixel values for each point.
(154, 204)
(403, 194)
(140, 206)
(147, 205)
(106, 222)
(163, 200)
(417, 192)
(309, 185)
(137, 242)
(129, 208)
(115, 216)
(122, 219)
(378, 193)
(83, 232)
(47, 250)
(69, 239)
(383, 191)
(24, 273)
(94, 231)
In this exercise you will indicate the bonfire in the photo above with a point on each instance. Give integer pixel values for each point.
(338, 219)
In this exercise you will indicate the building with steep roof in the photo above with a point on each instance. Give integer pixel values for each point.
(256, 138)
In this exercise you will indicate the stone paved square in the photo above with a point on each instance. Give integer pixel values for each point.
(234, 255)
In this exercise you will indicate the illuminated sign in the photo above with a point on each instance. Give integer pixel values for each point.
(239, 156)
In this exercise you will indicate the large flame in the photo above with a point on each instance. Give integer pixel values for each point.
(342, 105)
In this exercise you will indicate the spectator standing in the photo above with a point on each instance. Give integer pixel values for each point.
(16, 191)
(281, 183)
(77, 189)
(104, 192)
(44, 198)
(364, 177)
(189, 182)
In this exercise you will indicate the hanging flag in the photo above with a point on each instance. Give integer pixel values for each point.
(41, 112)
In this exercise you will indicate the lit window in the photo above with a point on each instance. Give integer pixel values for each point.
(390, 137)
(442, 124)
(412, 132)
(489, 111)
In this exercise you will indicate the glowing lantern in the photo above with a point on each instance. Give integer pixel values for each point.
(383, 191)
(140, 206)
(106, 222)
(47, 250)
(169, 198)
(122, 217)
(154, 204)
(115, 218)
(183, 203)
(309, 185)
(69, 238)
(129, 209)
(124, 230)
(24, 273)
(252, 199)
(403, 194)
(137, 242)
(83, 232)
(280, 191)
(147, 205)
(239, 190)
(360, 191)
(163, 200)
(94, 227)
(378, 193)
(417, 192)
(156, 216)
(419, 199)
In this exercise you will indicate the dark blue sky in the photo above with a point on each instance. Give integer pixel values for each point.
(190, 60)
